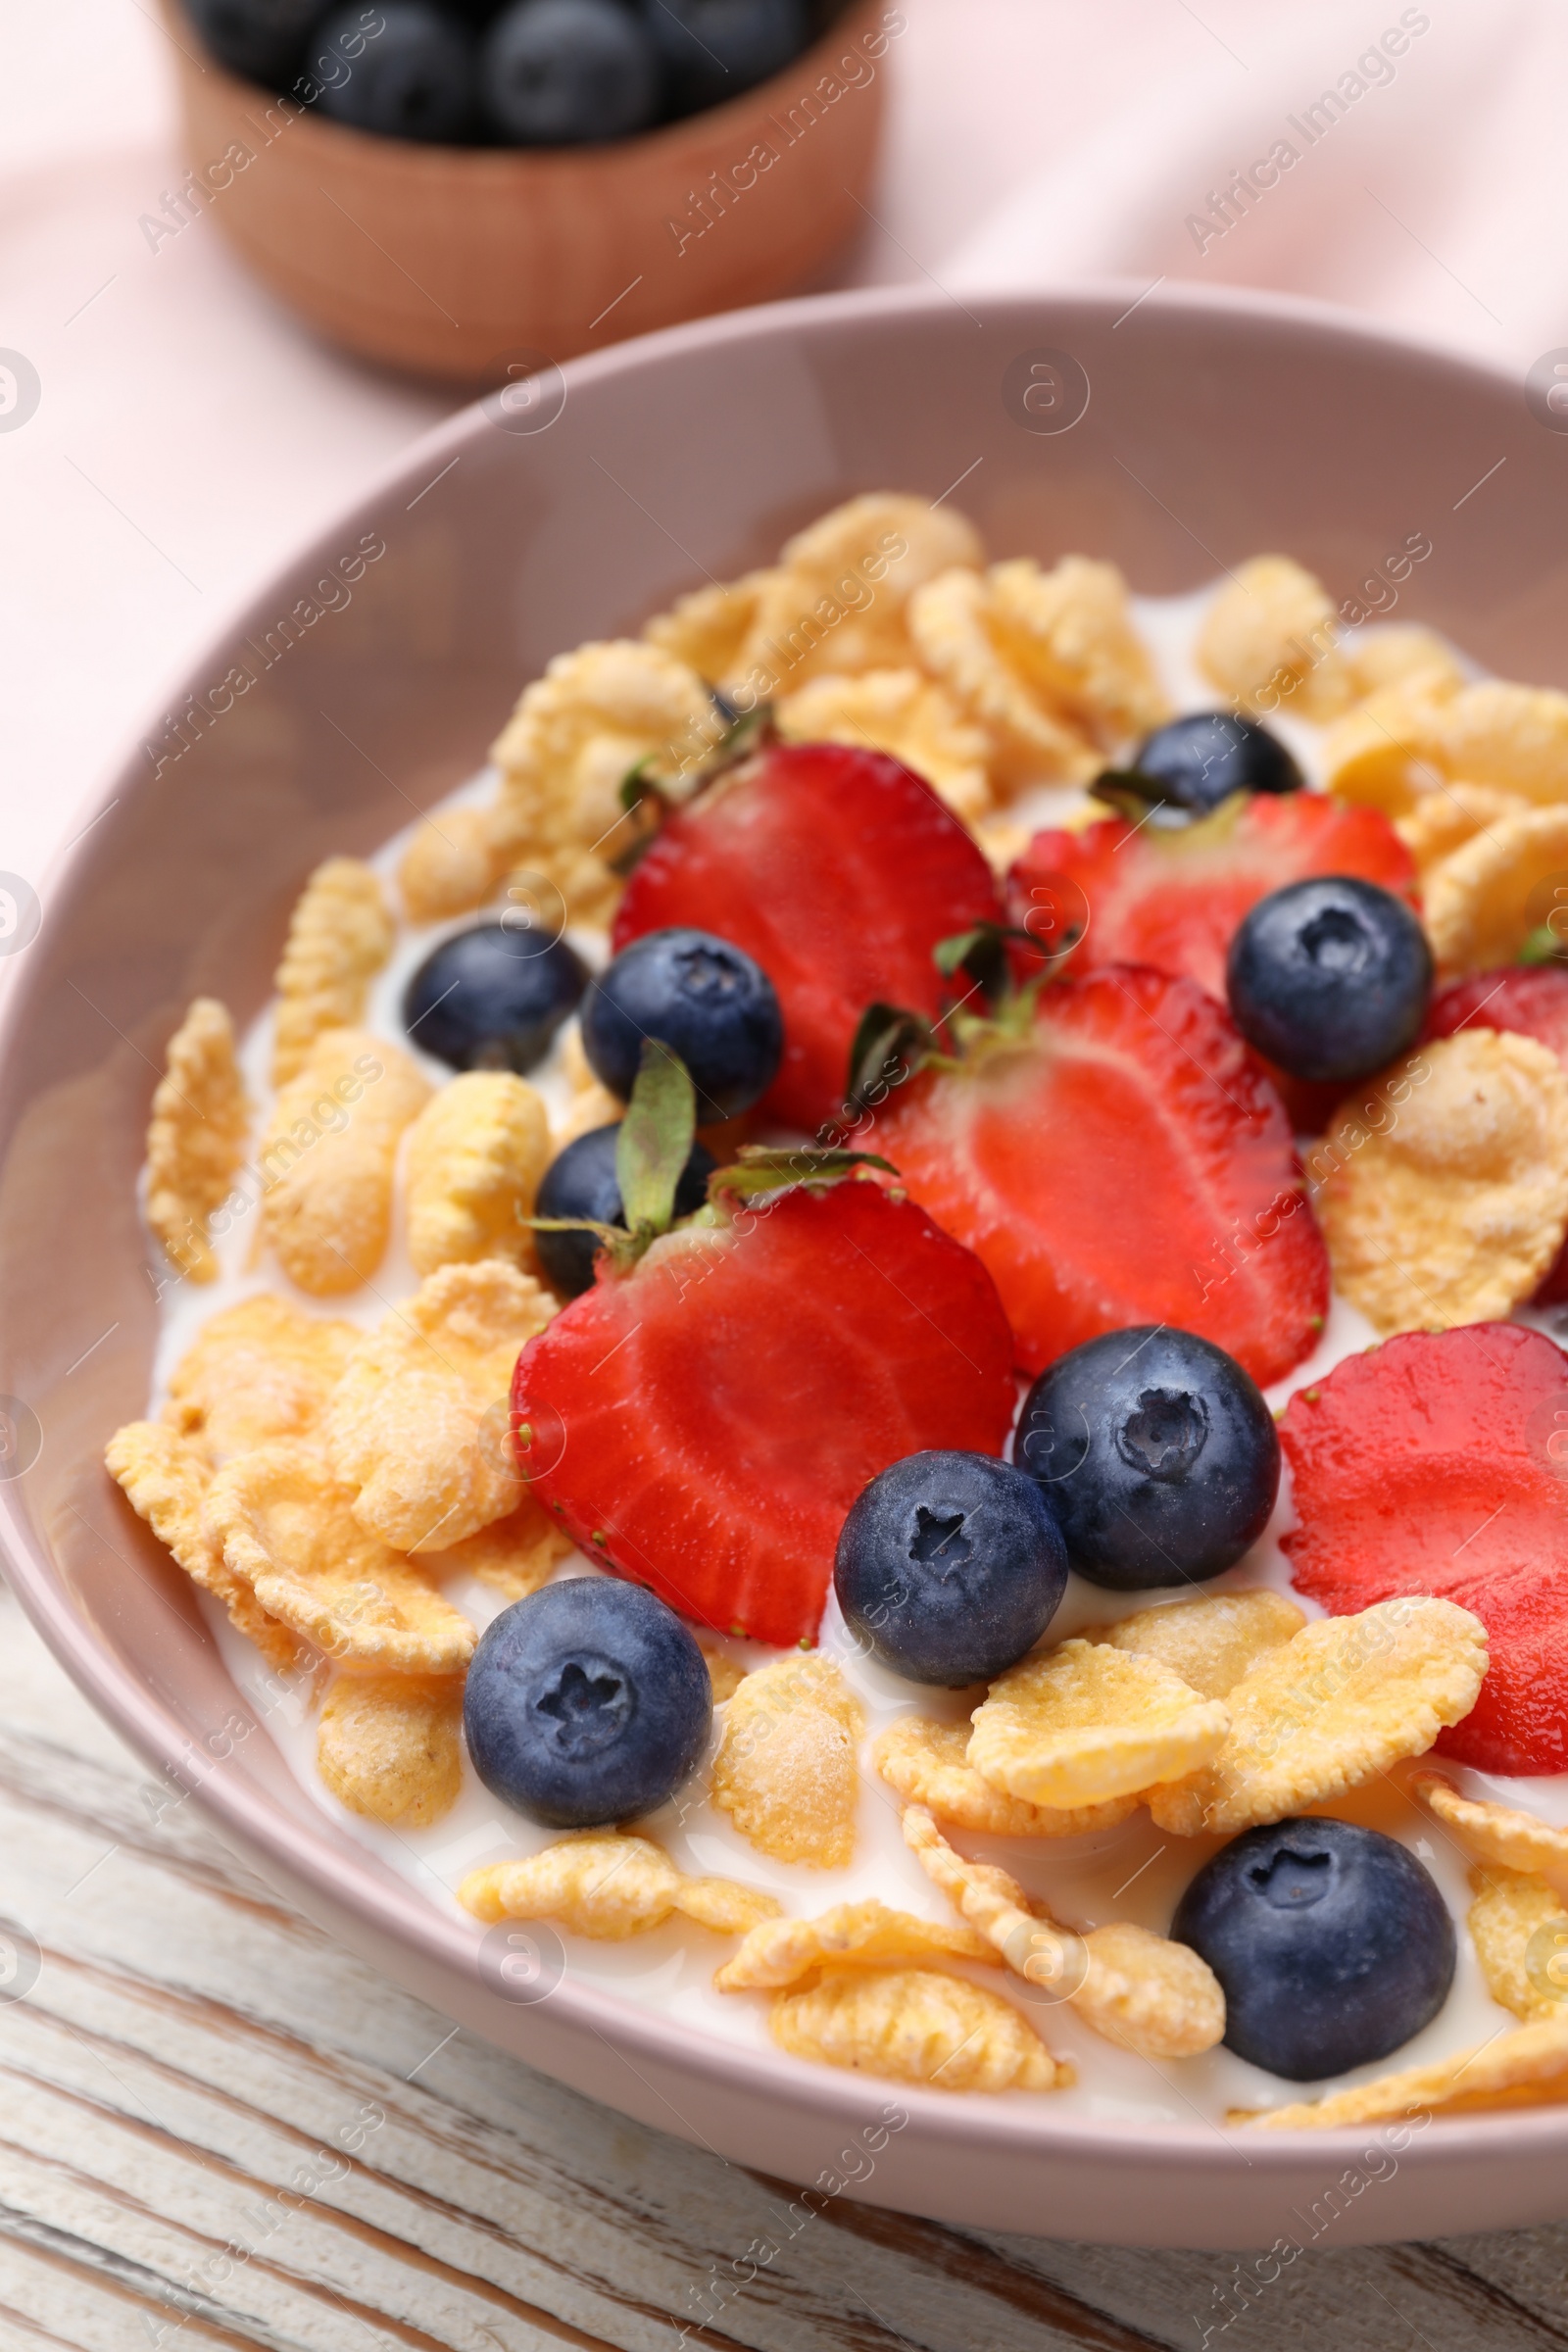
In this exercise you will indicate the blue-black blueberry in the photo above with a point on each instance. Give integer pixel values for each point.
(492, 997)
(1202, 758)
(582, 1181)
(586, 1703)
(1331, 1943)
(714, 49)
(707, 1001)
(263, 39)
(1330, 978)
(949, 1567)
(1158, 1453)
(565, 73)
(416, 79)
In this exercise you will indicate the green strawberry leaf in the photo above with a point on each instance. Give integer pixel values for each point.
(1543, 946)
(890, 1044)
(761, 1168)
(654, 1141)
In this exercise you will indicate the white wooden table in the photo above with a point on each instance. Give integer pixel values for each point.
(218, 2128)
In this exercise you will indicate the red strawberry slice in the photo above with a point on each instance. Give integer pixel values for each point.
(711, 1416)
(1123, 1161)
(1172, 896)
(1438, 1463)
(1532, 998)
(839, 870)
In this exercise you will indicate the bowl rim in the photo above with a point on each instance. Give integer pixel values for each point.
(393, 1909)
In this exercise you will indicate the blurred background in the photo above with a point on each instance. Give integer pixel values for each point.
(186, 430)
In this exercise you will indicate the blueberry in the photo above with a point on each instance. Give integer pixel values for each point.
(262, 39)
(1202, 758)
(561, 73)
(581, 1183)
(714, 49)
(1159, 1455)
(707, 1002)
(588, 1702)
(1331, 1942)
(950, 1566)
(417, 78)
(492, 999)
(1330, 978)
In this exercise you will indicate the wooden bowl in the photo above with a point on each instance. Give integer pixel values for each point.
(454, 262)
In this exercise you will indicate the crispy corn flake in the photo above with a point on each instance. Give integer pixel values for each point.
(928, 1763)
(257, 1372)
(1520, 1930)
(165, 1480)
(387, 1746)
(838, 598)
(449, 866)
(574, 737)
(1002, 840)
(1069, 634)
(913, 2025)
(329, 1156)
(1345, 1699)
(725, 1675)
(1451, 1212)
(786, 1771)
(1082, 1722)
(1494, 1832)
(196, 1137)
(1389, 652)
(514, 1555)
(1527, 2068)
(1403, 740)
(784, 1952)
(289, 1531)
(1271, 637)
(611, 1887)
(1030, 741)
(1481, 903)
(476, 1153)
(1209, 1643)
(339, 936)
(1135, 1987)
(404, 1429)
(707, 629)
(1451, 814)
(902, 712)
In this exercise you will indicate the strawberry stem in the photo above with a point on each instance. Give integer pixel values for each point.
(654, 1141)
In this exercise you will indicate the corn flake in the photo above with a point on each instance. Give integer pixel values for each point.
(1527, 2068)
(449, 866)
(1345, 1699)
(1401, 742)
(514, 1555)
(707, 629)
(1135, 1987)
(289, 1531)
(1392, 650)
(1495, 1833)
(611, 1887)
(329, 1156)
(1271, 637)
(1209, 1643)
(899, 711)
(404, 1428)
(1480, 902)
(571, 742)
(1520, 1930)
(387, 1746)
(196, 1138)
(257, 1372)
(475, 1154)
(1453, 1211)
(784, 1952)
(165, 1480)
(725, 1676)
(1031, 741)
(1082, 1722)
(339, 936)
(785, 1771)
(1069, 634)
(927, 1763)
(1451, 814)
(915, 2026)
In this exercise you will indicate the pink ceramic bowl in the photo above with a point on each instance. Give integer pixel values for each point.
(1214, 428)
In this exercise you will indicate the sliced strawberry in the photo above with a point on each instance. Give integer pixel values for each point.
(1532, 998)
(1123, 1161)
(1438, 1463)
(839, 870)
(1171, 897)
(709, 1418)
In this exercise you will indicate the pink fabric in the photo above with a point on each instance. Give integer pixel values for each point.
(189, 432)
